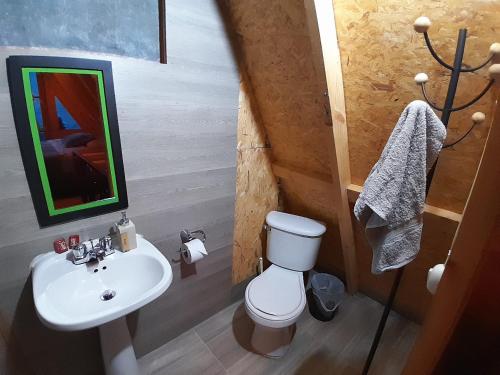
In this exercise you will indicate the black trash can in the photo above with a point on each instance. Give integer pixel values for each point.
(325, 296)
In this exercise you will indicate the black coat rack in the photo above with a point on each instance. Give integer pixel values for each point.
(421, 25)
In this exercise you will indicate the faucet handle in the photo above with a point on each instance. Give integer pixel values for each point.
(80, 251)
(105, 242)
(105, 246)
(102, 243)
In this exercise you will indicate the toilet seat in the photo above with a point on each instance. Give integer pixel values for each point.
(276, 298)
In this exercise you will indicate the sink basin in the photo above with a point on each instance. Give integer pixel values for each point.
(72, 297)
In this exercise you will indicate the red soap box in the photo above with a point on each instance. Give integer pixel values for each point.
(73, 240)
(60, 245)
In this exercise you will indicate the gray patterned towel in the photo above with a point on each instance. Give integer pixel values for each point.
(392, 201)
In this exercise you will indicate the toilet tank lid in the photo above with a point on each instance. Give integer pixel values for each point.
(302, 226)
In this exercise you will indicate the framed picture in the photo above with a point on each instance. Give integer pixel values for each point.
(67, 127)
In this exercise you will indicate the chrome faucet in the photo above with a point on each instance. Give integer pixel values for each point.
(91, 251)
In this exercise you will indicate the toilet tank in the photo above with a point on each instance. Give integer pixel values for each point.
(293, 241)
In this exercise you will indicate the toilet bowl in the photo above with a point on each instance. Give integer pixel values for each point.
(275, 299)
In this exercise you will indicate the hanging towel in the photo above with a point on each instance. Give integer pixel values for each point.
(391, 204)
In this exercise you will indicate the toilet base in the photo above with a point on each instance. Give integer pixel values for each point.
(272, 342)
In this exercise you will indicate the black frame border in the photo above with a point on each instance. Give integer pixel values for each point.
(23, 130)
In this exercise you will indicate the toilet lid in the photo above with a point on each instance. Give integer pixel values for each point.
(277, 291)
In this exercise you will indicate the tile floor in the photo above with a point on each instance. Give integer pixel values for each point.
(220, 345)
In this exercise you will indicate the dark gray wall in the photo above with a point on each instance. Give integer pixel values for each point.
(178, 133)
(123, 27)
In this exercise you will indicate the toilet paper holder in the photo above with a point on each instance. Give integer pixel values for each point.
(187, 235)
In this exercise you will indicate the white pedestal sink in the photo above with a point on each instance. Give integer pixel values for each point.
(71, 297)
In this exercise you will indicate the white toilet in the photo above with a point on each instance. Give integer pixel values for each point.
(275, 299)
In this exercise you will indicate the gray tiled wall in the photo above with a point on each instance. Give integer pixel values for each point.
(178, 132)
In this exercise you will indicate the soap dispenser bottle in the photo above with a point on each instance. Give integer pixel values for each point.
(125, 232)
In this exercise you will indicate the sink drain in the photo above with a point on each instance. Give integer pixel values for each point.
(107, 295)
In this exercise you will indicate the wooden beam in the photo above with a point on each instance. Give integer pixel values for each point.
(469, 244)
(353, 192)
(162, 30)
(325, 182)
(326, 57)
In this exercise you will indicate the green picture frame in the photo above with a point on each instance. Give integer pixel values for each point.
(21, 72)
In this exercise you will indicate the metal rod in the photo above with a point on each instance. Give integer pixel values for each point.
(434, 54)
(445, 116)
(383, 320)
(455, 75)
(392, 297)
(485, 90)
(462, 137)
(430, 102)
(469, 70)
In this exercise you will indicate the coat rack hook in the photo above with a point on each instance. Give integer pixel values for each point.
(477, 119)
(421, 25)
(495, 52)
(481, 94)
(494, 72)
(494, 56)
(421, 79)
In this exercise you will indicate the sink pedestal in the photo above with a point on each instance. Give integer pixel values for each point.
(117, 350)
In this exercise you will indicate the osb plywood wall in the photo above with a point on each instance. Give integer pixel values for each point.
(381, 53)
(256, 188)
(273, 42)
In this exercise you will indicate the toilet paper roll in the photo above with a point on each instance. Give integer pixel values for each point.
(193, 251)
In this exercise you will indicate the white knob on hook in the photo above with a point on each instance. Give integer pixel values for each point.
(478, 117)
(494, 72)
(422, 24)
(421, 78)
(495, 49)
(495, 52)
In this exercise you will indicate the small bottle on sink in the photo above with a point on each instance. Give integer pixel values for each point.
(125, 233)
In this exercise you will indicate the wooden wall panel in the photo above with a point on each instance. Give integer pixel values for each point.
(275, 44)
(256, 188)
(309, 196)
(272, 41)
(380, 56)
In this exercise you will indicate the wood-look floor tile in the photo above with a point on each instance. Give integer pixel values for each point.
(233, 342)
(339, 346)
(397, 341)
(186, 354)
(217, 323)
